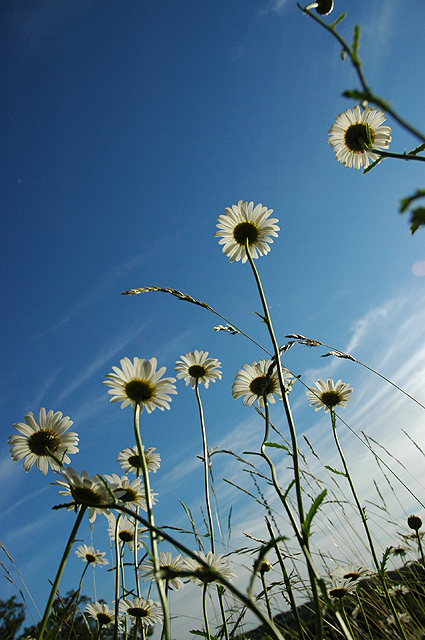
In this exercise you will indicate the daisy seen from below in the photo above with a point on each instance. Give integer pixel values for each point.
(84, 489)
(243, 222)
(101, 613)
(91, 555)
(166, 561)
(201, 574)
(39, 437)
(125, 532)
(196, 367)
(350, 133)
(139, 383)
(132, 494)
(129, 460)
(329, 395)
(146, 612)
(254, 381)
(341, 587)
(350, 571)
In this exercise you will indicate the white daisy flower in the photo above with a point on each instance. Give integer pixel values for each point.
(129, 460)
(166, 561)
(146, 612)
(101, 612)
(329, 395)
(132, 494)
(48, 432)
(253, 382)
(91, 555)
(196, 367)
(138, 382)
(350, 571)
(84, 489)
(340, 587)
(125, 531)
(243, 222)
(349, 134)
(202, 575)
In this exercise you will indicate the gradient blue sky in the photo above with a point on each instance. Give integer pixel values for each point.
(127, 128)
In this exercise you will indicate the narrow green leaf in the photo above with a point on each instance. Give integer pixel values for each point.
(417, 219)
(371, 166)
(290, 485)
(203, 634)
(313, 510)
(339, 473)
(276, 445)
(356, 41)
(406, 202)
(416, 150)
(338, 20)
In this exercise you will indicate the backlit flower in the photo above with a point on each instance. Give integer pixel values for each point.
(196, 367)
(329, 395)
(244, 222)
(349, 135)
(48, 432)
(125, 531)
(340, 587)
(91, 555)
(101, 612)
(84, 489)
(254, 381)
(350, 571)
(129, 460)
(166, 561)
(146, 612)
(203, 575)
(132, 494)
(138, 382)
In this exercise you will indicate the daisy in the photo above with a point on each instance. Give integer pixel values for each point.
(196, 367)
(349, 572)
(349, 134)
(129, 460)
(166, 561)
(323, 7)
(138, 382)
(340, 587)
(84, 489)
(329, 395)
(253, 382)
(101, 612)
(243, 222)
(130, 493)
(37, 437)
(125, 531)
(202, 575)
(414, 522)
(147, 612)
(91, 555)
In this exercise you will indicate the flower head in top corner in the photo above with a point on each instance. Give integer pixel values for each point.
(139, 383)
(83, 490)
(91, 555)
(101, 612)
(351, 132)
(243, 223)
(166, 562)
(125, 531)
(196, 367)
(202, 575)
(130, 461)
(350, 571)
(48, 433)
(255, 380)
(131, 494)
(329, 395)
(146, 612)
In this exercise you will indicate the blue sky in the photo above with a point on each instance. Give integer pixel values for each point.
(128, 127)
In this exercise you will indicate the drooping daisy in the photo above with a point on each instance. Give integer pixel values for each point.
(48, 431)
(166, 561)
(253, 382)
(203, 575)
(323, 7)
(349, 134)
(146, 612)
(101, 612)
(139, 382)
(351, 571)
(340, 587)
(129, 460)
(132, 494)
(329, 395)
(91, 555)
(125, 531)
(196, 367)
(84, 489)
(244, 222)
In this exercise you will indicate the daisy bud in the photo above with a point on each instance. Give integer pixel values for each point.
(414, 522)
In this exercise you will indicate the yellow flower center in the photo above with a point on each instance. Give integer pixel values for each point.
(196, 371)
(330, 398)
(85, 494)
(355, 134)
(126, 536)
(351, 576)
(90, 557)
(246, 231)
(39, 440)
(262, 385)
(129, 496)
(139, 390)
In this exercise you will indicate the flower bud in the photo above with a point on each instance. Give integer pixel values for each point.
(414, 522)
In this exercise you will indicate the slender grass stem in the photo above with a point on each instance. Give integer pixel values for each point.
(205, 612)
(359, 603)
(117, 578)
(266, 595)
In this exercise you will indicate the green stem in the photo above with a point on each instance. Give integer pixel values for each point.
(364, 615)
(366, 527)
(418, 535)
(206, 468)
(117, 579)
(266, 595)
(400, 156)
(204, 608)
(152, 531)
(59, 573)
